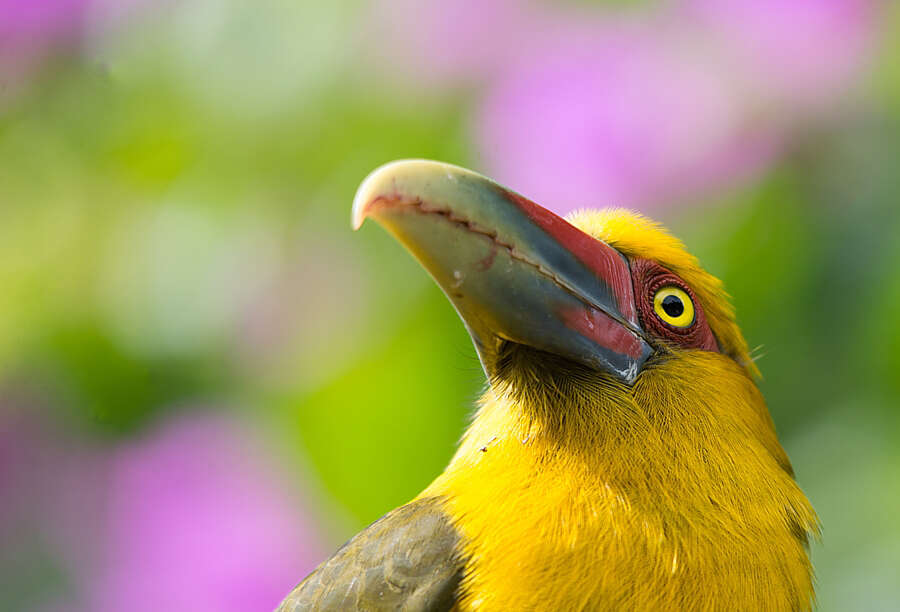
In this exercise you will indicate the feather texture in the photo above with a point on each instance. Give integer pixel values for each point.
(407, 560)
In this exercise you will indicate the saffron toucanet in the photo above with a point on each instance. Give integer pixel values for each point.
(622, 456)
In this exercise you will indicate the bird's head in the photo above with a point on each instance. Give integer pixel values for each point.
(606, 291)
(580, 318)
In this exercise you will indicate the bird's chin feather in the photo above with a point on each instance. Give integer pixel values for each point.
(548, 386)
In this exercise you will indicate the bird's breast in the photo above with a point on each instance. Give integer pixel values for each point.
(568, 535)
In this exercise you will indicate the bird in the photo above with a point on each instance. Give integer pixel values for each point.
(621, 457)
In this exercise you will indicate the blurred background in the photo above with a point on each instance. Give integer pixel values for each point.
(207, 381)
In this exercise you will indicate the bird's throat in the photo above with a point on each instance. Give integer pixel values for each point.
(636, 497)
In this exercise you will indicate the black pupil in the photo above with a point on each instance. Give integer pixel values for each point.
(673, 306)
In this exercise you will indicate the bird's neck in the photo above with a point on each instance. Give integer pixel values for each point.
(627, 507)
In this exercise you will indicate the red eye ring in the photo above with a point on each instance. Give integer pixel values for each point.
(649, 277)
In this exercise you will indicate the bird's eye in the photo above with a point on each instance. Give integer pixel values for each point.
(674, 306)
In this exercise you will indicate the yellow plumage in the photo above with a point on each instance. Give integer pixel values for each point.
(576, 491)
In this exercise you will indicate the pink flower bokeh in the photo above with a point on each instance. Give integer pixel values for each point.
(628, 118)
(34, 21)
(30, 30)
(445, 44)
(801, 54)
(33, 32)
(657, 107)
(197, 520)
(190, 516)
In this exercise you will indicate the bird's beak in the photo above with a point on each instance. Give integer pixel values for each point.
(514, 271)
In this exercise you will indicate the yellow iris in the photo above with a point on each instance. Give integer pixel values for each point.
(674, 306)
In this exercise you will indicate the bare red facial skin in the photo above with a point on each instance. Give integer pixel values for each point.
(648, 277)
(603, 330)
(605, 261)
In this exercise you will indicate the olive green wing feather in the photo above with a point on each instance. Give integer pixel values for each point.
(407, 560)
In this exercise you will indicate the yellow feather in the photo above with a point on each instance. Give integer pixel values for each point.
(576, 492)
